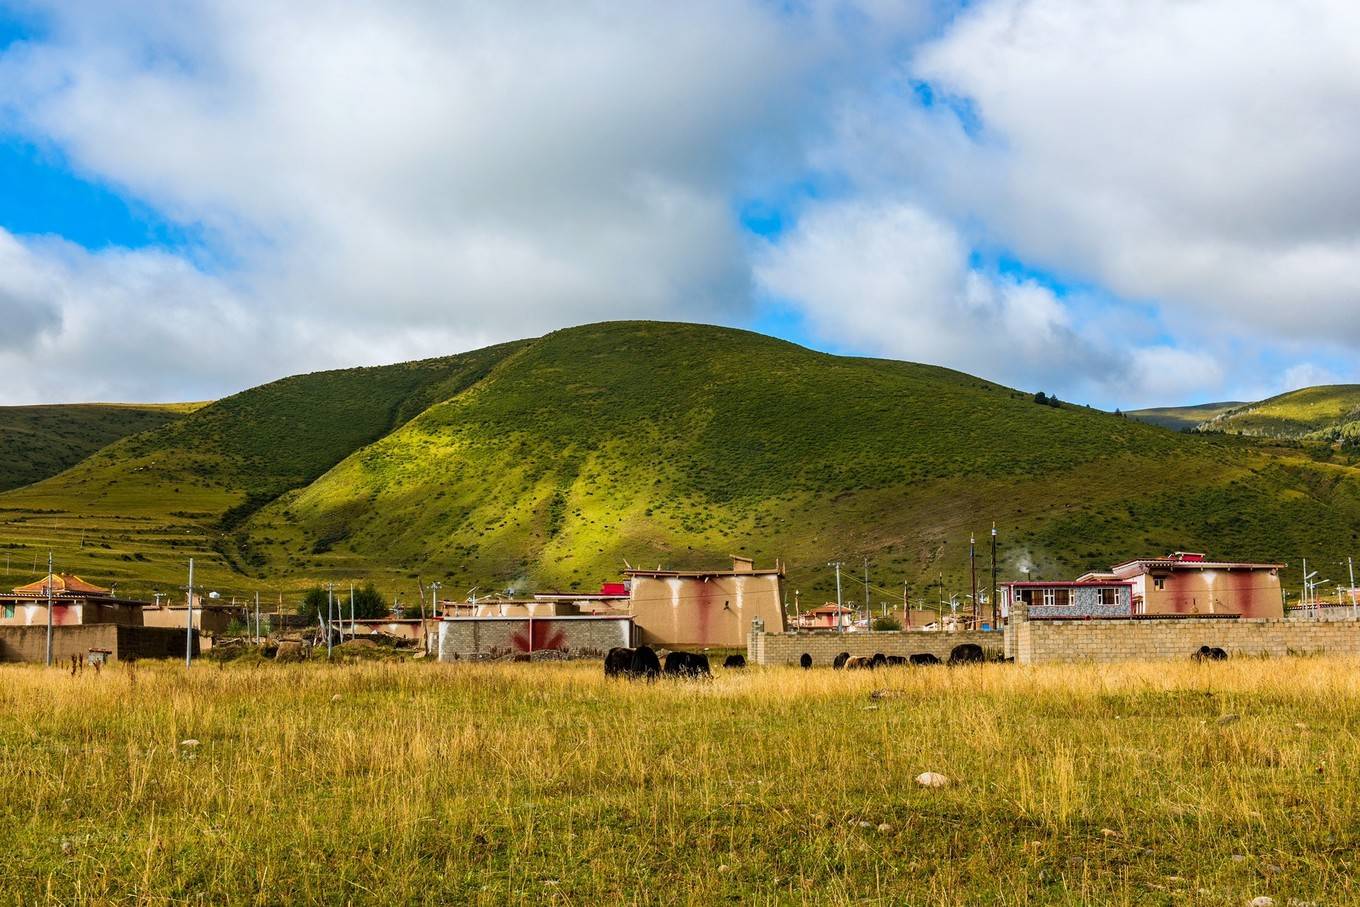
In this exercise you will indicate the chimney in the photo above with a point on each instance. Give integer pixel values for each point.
(742, 564)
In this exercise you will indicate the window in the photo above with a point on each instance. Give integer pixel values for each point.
(1050, 598)
(9, 611)
(1159, 583)
(1109, 597)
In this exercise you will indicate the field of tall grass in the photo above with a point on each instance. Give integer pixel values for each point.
(545, 783)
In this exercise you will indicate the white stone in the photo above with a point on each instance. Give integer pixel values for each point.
(932, 779)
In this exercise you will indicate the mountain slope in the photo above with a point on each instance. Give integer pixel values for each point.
(1327, 413)
(40, 441)
(548, 462)
(1181, 418)
(145, 504)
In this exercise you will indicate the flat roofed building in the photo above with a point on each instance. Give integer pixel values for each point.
(1083, 598)
(705, 607)
(1190, 583)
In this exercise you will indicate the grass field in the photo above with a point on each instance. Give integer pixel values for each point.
(414, 782)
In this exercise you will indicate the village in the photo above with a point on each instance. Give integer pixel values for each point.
(1181, 605)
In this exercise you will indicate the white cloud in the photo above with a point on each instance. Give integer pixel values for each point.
(891, 279)
(387, 181)
(1197, 154)
(391, 177)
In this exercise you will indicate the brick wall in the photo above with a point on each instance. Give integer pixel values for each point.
(787, 648)
(587, 636)
(125, 642)
(1046, 641)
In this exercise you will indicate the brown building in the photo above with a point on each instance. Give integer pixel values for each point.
(87, 622)
(75, 602)
(210, 619)
(705, 607)
(1189, 583)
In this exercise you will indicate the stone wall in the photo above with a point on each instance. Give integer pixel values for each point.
(824, 645)
(29, 644)
(1085, 602)
(460, 637)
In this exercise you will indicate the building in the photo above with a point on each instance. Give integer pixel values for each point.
(829, 616)
(702, 608)
(210, 618)
(1090, 596)
(75, 602)
(88, 622)
(1183, 583)
(1189, 583)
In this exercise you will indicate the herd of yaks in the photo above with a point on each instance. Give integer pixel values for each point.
(643, 663)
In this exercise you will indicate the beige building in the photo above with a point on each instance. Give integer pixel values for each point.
(75, 602)
(1189, 583)
(701, 608)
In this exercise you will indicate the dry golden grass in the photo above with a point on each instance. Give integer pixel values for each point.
(409, 782)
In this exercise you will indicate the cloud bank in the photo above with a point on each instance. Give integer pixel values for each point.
(1123, 202)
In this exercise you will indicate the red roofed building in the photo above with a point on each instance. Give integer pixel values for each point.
(74, 602)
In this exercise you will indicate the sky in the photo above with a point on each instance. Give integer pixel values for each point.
(1126, 204)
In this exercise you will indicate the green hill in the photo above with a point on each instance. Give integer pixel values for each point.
(1325, 413)
(40, 441)
(1180, 418)
(547, 463)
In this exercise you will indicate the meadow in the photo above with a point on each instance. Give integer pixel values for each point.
(510, 783)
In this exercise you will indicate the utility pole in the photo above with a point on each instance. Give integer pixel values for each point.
(351, 609)
(840, 618)
(1350, 565)
(868, 613)
(996, 605)
(906, 606)
(189, 618)
(330, 615)
(257, 616)
(49, 609)
(972, 568)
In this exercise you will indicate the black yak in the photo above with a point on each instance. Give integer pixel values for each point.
(805, 661)
(734, 661)
(968, 653)
(1209, 653)
(879, 660)
(924, 658)
(896, 660)
(645, 663)
(618, 662)
(840, 660)
(687, 664)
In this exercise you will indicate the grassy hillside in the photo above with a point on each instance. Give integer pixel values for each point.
(40, 441)
(1180, 418)
(137, 510)
(548, 463)
(1328, 413)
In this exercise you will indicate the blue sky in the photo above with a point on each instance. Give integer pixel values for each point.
(1013, 190)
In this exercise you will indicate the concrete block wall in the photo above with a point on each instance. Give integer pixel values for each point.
(586, 636)
(1055, 641)
(824, 646)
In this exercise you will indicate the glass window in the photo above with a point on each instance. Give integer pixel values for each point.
(9, 611)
